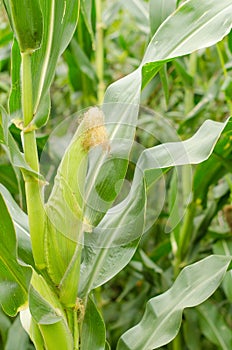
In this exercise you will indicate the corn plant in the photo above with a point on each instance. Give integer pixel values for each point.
(56, 254)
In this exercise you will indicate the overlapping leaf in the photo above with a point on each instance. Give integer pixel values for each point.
(113, 242)
(59, 23)
(168, 42)
(14, 278)
(20, 222)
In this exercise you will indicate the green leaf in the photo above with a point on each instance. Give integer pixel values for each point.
(205, 23)
(20, 222)
(112, 243)
(93, 335)
(14, 278)
(27, 23)
(162, 317)
(8, 178)
(214, 326)
(200, 20)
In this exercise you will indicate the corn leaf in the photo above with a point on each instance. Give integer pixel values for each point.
(162, 318)
(20, 222)
(200, 20)
(113, 242)
(14, 278)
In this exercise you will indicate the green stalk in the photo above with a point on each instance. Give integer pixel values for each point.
(100, 52)
(32, 186)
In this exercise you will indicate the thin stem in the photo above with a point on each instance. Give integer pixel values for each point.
(32, 186)
(100, 52)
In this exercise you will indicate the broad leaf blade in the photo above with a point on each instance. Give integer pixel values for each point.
(20, 222)
(162, 317)
(114, 240)
(14, 278)
(205, 23)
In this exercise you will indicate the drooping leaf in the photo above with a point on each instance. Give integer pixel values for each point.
(205, 24)
(113, 241)
(14, 278)
(162, 317)
(198, 17)
(93, 335)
